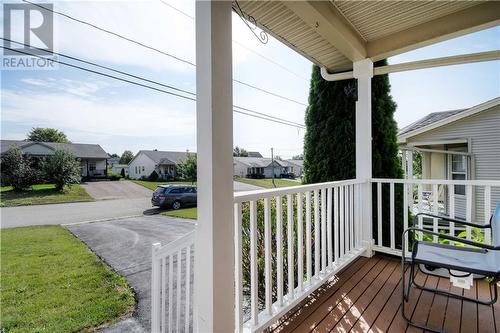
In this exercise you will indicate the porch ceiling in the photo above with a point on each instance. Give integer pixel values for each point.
(333, 34)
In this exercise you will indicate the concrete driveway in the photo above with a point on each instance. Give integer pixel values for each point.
(125, 245)
(124, 189)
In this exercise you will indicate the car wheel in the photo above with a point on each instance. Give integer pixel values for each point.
(176, 205)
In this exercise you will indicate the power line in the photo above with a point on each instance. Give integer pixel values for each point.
(256, 115)
(152, 48)
(101, 66)
(138, 77)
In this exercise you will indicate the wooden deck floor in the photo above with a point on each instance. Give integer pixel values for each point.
(366, 297)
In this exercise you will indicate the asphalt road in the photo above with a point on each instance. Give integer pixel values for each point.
(125, 245)
(138, 203)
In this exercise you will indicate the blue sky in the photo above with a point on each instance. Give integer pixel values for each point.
(94, 109)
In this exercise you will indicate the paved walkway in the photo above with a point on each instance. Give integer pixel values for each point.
(124, 189)
(125, 245)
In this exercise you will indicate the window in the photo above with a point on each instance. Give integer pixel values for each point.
(459, 171)
(143, 168)
(177, 190)
(92, 166)
(136, 169)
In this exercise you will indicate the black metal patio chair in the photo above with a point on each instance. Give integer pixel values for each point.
(479, 260)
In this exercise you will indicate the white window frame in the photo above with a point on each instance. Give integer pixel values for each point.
(450, 171)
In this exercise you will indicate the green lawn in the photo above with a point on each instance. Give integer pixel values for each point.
(153, 185)
(42, 194)
(186, 213)
(268, 183)
(51, 282)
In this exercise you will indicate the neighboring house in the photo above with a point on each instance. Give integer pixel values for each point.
(259, 167)
(458, 144)
(117, 169)
(92, 157)
(296, 167)
(254, 154)
(113, 160)
(163, 162)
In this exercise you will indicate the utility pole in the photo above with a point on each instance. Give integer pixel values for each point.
(272, 163)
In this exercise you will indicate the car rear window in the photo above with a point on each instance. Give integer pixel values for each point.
(160, 190)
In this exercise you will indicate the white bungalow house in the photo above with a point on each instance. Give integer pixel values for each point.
(339, 283)
(457, 145)
(92, 157)
(260, 167)
(163, 162)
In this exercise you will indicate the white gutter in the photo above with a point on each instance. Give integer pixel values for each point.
(420, 64)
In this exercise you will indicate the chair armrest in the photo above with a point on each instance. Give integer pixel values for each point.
(449, 219)
(453, 238)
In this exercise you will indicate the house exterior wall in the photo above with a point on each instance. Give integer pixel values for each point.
(141, 166)
(482, 132)
(239, 169)
(117, 168)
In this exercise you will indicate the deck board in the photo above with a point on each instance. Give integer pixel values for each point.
(366, 297)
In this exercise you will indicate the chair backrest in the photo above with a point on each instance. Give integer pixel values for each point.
(495, 226)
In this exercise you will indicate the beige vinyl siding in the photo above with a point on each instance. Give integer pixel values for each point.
(482, 130)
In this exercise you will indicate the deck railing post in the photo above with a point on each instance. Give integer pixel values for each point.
(214, 271)
(363, 72)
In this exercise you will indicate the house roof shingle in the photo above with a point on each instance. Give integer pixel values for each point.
(429, 119)
(165, 157)
(81, 150)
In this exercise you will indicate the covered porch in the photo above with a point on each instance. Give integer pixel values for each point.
(262, 258)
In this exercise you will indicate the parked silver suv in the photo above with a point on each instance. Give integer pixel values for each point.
(174, 196)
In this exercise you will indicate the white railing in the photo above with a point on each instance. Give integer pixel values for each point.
(470, 200)
(272, 272)
(289, 241)
(172, 286)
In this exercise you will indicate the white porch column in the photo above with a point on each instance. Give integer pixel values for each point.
(363, 72)
(214, 257)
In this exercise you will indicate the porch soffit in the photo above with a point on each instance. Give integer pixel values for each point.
(333, 34)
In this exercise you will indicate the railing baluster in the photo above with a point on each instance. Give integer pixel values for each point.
(188, 290)
(316, 234)
(487, 212)
(336, 223)
(420, 209)
(468, 217)
(170, 290)
(300, 236)
(291, 268)
(391, 214)
(267, 255)
(279, 251)
(329, 225)
(163, 287)
(238, 269)
(308, 237)
(323, 230)
(342, 221)
(379, 213)
(405, 212)
(451, 189)
(254, 282)
(435, 210)
(155, 291)
(351, 217)
(178, 293)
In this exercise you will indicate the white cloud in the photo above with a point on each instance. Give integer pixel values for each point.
(74, 87)
(104, 119)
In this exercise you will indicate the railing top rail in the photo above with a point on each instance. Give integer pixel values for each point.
(437, 181)
(269, 193)
(176, 245)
